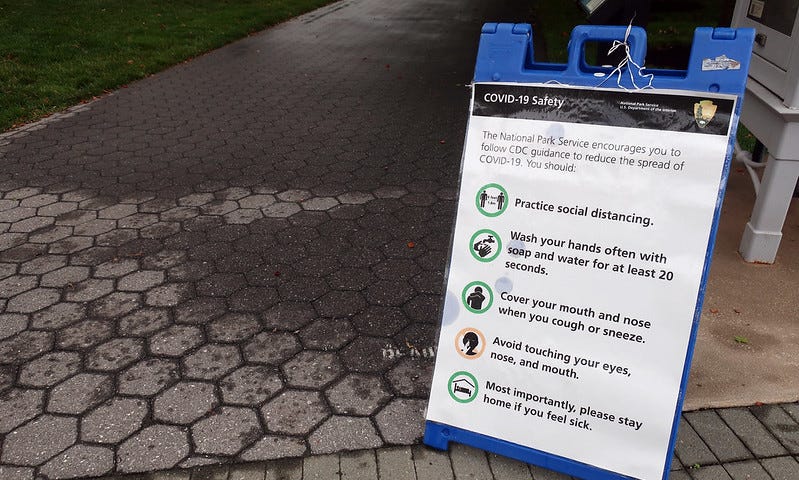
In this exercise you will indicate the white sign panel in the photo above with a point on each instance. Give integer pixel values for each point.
(581, 236)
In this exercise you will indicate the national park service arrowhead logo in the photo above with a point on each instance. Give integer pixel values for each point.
(704, 112)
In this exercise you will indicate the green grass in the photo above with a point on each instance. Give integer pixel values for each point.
(56, 53)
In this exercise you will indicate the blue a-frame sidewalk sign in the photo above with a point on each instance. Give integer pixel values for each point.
(718, 63)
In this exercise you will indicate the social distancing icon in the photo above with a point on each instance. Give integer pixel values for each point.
(492, 200)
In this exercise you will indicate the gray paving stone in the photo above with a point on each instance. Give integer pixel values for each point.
(89, 290)
(115, 305)
(711, 472)
(321, 467)
(160, 230)
(508, 468)
(690, 448)
(243, 216)
(779, 423)
(116, 268)
(200, 311)
(167, 475)
(80, 393)
(148, 377)
(792, 409)
(16, 284)
(680, 475)
(50, 234)
(17, 406)
(274, 447)
(226, 432)
(17, 214)
(287, 469)
(294, 412)
(753, 434)
(233, 327)
(33, 300)
(782, 468)
(185, 402)
(7, 375)
(115, 354)
(211, 362)
(271, 348)
(50, 369)
(327, 334)
(219, 207)
(250, 385)
(358, 465)
(469, 463)
(11, 324)
(748, 470)
(340, 433)
(395, 463)
(281, 210)
(167, 295)
(157, 447)
(113, 421)
(431, 464)
(94, 227)
(117, 211)
(85, 334)
(721, 440)
(288, 316)
(402, 421)
(256, 201)
(144, 322)
(200, 461)
(70, 245)
(311, 369)
(163, 259)
(141, 280)
(25, 346)
(80, 461)
(247, 472)
(16, 473)
(58, 316)
(31, 225)
(213, 472)
(412, 377)
(176, 340)
(24, 445)
(357, 394)
(366, 354)
(540, 473)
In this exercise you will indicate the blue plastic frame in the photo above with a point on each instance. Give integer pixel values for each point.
(505, 54)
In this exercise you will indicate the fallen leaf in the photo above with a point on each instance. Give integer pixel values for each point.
(130, 62)
(741, 339)
(411, 244)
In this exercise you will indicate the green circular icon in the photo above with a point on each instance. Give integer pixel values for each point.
(491, 200)
(477, 297)
(462, 387)
(485, 245)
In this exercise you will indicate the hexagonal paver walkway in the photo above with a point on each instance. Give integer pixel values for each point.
(239, 258)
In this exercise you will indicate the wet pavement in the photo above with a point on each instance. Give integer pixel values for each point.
(240, 258)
